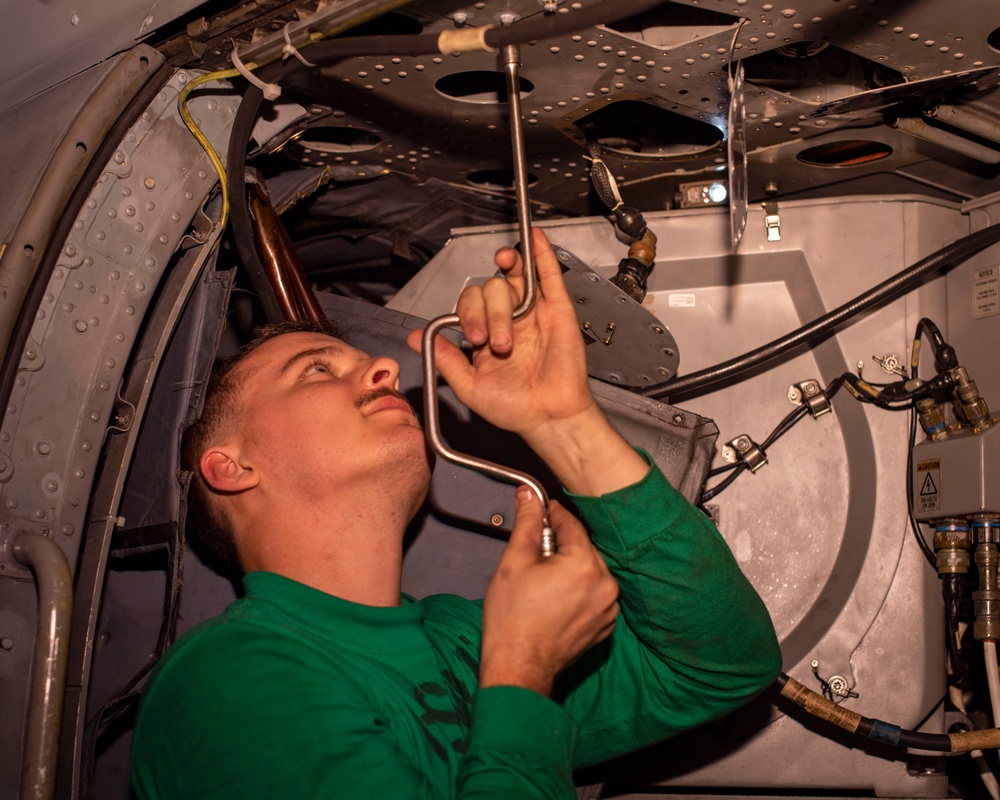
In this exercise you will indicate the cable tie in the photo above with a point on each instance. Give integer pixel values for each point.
(271, 90)
(291, 50)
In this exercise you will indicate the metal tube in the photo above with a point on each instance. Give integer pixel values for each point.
(917, 127)
(511, 57)
(969, 119)
(48, 672)
(432, 423)
(281, 263)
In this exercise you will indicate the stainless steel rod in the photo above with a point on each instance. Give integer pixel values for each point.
(48, 673)
(510, 56)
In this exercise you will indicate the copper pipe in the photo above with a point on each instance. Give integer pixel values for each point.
(295, 296)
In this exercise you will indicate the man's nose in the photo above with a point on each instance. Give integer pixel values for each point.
(381, 372)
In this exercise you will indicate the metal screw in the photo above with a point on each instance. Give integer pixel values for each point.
(496, 520)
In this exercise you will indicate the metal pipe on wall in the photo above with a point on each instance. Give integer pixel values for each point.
(48, 673)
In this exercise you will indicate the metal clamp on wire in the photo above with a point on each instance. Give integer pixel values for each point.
(745, 450)
(810, 394)
(511, 61)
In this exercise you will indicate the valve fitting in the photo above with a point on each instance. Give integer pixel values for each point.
(986, 599)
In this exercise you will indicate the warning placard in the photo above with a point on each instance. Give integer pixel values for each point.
(928, 485)
(986, 292)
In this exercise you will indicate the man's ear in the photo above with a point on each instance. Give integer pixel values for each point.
(223, 472)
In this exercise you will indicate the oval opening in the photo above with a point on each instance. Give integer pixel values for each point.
(497, 179)
(480, 86)
(634, 128)
(850, 153)
(993, 39)
(339, 140)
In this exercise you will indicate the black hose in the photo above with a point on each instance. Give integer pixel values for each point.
(896, 286)
(541, 26)
(780, 430)
(547, 26)
(854, 723)
(239, 217)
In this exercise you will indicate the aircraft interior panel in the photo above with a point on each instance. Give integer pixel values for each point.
(802, 334)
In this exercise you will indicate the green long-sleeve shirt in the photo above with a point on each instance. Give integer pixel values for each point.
(295, 693)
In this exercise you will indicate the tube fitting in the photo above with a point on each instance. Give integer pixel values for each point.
(969, 406)
(952, 543)
(931, 417)
(986, 599)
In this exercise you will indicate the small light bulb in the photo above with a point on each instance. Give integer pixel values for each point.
(717, 192)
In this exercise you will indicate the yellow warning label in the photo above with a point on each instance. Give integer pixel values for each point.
(927, 483)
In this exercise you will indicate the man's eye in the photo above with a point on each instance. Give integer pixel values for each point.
(317, 366)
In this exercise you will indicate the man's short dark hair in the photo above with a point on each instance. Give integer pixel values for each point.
(207, 521)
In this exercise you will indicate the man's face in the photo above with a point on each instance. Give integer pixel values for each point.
(319, 415)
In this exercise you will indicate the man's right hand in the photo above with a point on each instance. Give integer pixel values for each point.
(540, 614)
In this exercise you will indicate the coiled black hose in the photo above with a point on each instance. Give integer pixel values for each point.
(890, 289)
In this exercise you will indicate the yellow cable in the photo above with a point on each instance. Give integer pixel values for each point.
(206, 145)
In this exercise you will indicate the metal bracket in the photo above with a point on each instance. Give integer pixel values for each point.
(811, 394)
(772, 222)
(835, 685)
(123, 415)
(609, 332)
(744, 449)
(890, 364)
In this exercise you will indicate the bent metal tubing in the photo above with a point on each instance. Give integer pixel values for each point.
(432, 422)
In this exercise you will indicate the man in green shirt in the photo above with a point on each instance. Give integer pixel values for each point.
(325, 681)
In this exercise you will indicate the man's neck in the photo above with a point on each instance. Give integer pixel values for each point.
(351, 548)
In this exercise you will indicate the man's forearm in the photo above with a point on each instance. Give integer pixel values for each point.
(587, 455)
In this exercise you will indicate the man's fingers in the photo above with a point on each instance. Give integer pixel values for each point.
(499, 308)
(450, 361)
(525, 541)
(569, 530)
(550, 276)
(471, 310)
